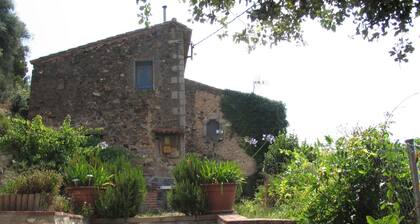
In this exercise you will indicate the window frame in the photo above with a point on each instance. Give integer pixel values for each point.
(146, 61)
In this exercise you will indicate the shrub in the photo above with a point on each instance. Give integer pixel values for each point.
(61, 204)
(32, 144)
(126, 196)
(34, 181)
(187, 195)
(343, 181)
(113, 153)
(188, 198)
(20, 101)
(279, 153)
(190, 173)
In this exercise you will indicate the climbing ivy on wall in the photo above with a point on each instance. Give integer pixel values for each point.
(252, 115)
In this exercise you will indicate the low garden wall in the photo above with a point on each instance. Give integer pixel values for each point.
(203, 219)
(39, 217)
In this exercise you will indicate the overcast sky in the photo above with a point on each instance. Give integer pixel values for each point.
(331, 84)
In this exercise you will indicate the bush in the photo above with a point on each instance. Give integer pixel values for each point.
(126, 196)
(190, 173)
(20, 102)
(34, 181)
(279, 153)
(343, 181)
(61, 204)
(187, 195)
(113, 153)
(32, 144)
(188, 198)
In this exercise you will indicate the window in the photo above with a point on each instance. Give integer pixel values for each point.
(212, 127)
(144, 75)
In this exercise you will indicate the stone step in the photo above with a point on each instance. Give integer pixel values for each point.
(238, 219)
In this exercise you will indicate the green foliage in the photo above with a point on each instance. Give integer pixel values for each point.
(113, 153)
(271, 21)
(32, 144)
(342, 181)
(125, 197)
(20, 101)
(4, 124)
(12, 51)
(258, 115)
(86, 210)
(279, 153)
(220, 172)
(81, 172)
(34, 181)
(61, 204)
(187, 195)
(188, 198)
(190, 173)
(392, 218)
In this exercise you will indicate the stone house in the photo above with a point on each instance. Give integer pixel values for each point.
(133, 86)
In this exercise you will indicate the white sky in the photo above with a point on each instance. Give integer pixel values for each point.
(332, 82)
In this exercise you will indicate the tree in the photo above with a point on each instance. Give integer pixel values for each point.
(272, 21)
(12, 55)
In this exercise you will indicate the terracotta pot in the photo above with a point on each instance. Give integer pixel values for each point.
(220, 197)
(24, 202)
(82, 194)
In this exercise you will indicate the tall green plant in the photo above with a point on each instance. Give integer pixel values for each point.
(187, 195)
(126, 196)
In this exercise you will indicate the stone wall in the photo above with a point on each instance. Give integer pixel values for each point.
(203, 105)
(39, 217)
(95, 85)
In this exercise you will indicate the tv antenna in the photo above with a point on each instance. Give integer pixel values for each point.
(257, 82)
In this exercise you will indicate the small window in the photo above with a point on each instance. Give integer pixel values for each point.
(212, 128)
(144, 75)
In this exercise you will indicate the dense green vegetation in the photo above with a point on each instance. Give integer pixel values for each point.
(253, 117)
(76, 155)
(341, 181)
(14, 88)
(33, 144)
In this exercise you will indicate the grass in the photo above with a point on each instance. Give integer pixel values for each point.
(254, 209)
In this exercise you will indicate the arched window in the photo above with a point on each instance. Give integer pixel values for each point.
(212, 128)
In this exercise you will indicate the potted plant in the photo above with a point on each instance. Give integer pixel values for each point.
(30, 191)
(84, 180)
(220, 179)
(204, 186)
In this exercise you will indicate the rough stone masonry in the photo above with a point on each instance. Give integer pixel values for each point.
(96, 85)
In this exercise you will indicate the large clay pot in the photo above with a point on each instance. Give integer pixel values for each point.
(220, 197)
(80, 195)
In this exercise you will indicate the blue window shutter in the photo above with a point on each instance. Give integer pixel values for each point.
(144, 75)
